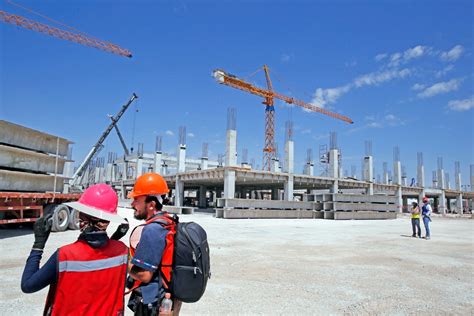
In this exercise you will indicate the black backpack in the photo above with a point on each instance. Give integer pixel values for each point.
(191, 262)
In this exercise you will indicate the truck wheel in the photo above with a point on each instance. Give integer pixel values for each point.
(73, 219)
(60, 218)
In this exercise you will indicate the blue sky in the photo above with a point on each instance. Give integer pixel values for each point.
(402, 70)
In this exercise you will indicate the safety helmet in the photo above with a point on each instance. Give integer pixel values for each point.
(149, 184)
(100, 201)
(425, 199)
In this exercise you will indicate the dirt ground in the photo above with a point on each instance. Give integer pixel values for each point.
(302, 267)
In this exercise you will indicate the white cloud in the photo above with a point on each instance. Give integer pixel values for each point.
(389, 120)
(452, 54)
(418, 87)
(191, 135)
(444, 71)
(409, 54)
(169, 133)
(324, 96)
(461, 105)
(380, 57)
(376, 78)
(285, 58)
(350, 63)
(440, 87)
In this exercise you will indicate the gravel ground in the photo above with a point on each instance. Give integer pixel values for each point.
(303, 267)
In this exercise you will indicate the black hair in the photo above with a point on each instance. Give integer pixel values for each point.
(152, 198)
(414, 204)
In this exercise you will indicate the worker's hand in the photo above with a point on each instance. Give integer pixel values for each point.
(41, 229)
(121, 231)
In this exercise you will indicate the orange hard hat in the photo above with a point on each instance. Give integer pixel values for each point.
(149, 184)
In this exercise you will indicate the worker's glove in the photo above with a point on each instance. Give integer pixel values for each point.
(121, 231)
(41, 229)
(130, 282)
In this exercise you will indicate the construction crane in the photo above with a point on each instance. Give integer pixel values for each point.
(99, 144)
(122, 141)
(63, 34)
(269, 150)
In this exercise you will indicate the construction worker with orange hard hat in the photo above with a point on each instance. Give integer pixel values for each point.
(86, 277)
(151, 246)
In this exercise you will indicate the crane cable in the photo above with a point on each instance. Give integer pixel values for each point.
(133, 125)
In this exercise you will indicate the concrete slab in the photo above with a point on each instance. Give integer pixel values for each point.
(247, 213)
(364, 215)
(29, 182)
(18, 158)
(25, 137)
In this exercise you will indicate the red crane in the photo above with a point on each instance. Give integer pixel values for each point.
(269, 150)
(63, 34)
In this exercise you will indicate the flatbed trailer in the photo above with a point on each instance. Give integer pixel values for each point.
(22, 207)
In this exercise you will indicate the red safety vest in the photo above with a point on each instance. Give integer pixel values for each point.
(91, 281)
(165, 268)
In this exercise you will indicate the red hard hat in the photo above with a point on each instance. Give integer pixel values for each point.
(100, 201)
(425, 199)
(149, 184)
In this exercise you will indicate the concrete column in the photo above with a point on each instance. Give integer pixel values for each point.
(274, 194)
(399, 202)
(442, 203)
(385, 178)
(289, 157)
(204, 162)
(333, 163)
(179, 192)
(164, 169)
(420, 197)
(441, 179)
(368, 169)
(202, 196)
(97, 175)
(420, 175)
(289, 188)
(309, 169)
(275, 167)
(229, 184)
(108, 172)
(139, 167)
(334, 187)
(405, 203)
(404, 181)
(397, 173)
(459, 204)
(157, 162)
(181, 156)
(458, 181)
(231, 149)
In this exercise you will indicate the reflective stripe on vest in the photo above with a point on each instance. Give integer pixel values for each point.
(94, 265)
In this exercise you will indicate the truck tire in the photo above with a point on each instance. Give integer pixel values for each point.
(60, 218)
(73, 219)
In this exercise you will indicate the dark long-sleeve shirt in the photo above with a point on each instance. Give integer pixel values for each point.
(34, 278)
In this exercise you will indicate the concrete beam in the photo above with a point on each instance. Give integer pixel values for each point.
(17, 158)
(24, 181)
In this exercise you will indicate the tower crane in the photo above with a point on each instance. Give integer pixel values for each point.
(269, 94)
(63, 34)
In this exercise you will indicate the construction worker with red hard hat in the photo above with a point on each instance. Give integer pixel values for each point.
(86, 277)
(151, 247)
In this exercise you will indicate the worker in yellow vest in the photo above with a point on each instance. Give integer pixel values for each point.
(415, 219)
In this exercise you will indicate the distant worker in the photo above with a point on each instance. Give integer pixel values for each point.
(86, 277)
(151, 248)
(415, 220)
(426, 213)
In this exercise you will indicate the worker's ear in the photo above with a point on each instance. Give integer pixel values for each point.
(152, 204)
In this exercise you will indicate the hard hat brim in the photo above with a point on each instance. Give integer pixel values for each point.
(89, 210)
